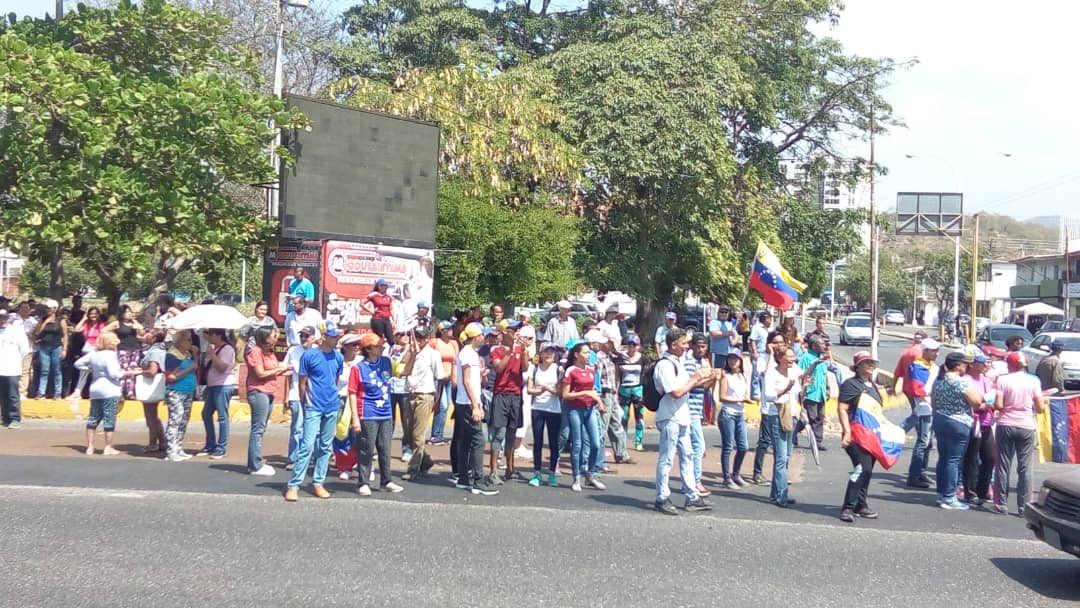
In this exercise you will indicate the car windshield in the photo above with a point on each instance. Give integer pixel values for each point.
(1068, 343)
(1000, 334)
(858, 322)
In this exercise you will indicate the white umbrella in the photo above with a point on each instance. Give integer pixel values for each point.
(208, 316)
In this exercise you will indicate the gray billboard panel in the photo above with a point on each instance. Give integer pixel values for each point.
(929, 213)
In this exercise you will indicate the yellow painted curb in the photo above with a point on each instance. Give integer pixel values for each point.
(62, 409)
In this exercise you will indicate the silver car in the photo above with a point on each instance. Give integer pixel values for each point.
(895, 317)
(856, 330)
(1070, 354)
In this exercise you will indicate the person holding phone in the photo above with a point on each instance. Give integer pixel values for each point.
(816, 362)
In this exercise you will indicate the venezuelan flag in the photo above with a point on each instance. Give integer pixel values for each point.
(874, 433)
(775, 284)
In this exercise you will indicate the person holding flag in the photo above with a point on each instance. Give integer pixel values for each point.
(775, 284)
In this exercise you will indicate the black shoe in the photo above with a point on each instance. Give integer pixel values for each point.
(666, 507)
(847, 515)
(866, 513)
(697, 504)
(787, 503)
(760, 481)
(918, 483)
(821, 447)
(484, 488)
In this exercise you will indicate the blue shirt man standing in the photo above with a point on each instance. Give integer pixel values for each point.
(300, 286)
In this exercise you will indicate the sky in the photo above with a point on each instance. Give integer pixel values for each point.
(982, 108)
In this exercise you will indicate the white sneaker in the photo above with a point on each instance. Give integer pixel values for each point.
(406, 457)
(576, 485)
(364, 490)
(175, 458)
(343, 476)
(596, 483)
(110, 451)
(393, 488)
(184, 455)
(265, 471)
(523, 452)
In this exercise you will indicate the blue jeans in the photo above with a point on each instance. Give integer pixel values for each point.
(399, 402)
(103, 411)
(216, 399)
(564, 429)
(584, 461)
(733, 437)
(438, 422)
(952, 440)
(674, 438)
(319, 430)
(781, 452)
(697, 444)
(755, 378)
(296, 429)
(920, 455)
(260, 413)
(49, 362)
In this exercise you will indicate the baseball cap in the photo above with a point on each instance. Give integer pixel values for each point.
(370, 339)
(612, 310)
(633, 339)
(698, 338)
(446, 325)
(564, 305)
(423, 332)
(979, 357)
(381, 282)
(309, 330)
(955, 357)
(862, 357)
(332, 330)
(931, 344)
(348, 339)
(471, 331)
(509, 324)
(525, 314)
(595, 336)
(422, 304)
(671, 315)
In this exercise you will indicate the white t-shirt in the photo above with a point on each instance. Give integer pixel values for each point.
(468, 357)
(427, 368)
(611, 331)
(294, 323)
(546, 402)
(292, 359)
(775, 382)
(670, 375)
(759, 335)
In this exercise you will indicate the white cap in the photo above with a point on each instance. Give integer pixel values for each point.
(525, 314)
(564, 305)
(595, 335)
(931, 344)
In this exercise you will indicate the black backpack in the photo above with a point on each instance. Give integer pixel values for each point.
(651, 394)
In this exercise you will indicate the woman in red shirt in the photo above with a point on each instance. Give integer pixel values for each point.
(581, 401)
(379, 305)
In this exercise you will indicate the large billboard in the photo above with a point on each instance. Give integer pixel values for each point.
(278, 266)
(360, 176)
(929, 213)
(351, 269)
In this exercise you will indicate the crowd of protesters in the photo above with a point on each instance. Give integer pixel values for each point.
(580, 386)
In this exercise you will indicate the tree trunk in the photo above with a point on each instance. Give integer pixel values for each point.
(56, 274)
(167, 270)
(650, 315)
(112, 297)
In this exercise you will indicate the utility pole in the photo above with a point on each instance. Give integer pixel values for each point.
(974, 277)
(956, 286)
(832, 298)
(59, 9)
(1068, 275)
(873, 248)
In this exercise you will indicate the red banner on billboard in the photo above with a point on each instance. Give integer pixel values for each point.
(351, 269)
(278, 269)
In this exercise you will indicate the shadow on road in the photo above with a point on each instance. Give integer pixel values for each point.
(230, 468)
(1057, 579)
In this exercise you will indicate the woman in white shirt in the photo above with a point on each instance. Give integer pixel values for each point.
(543, 386)
(734, 395)
(780, 412)
(105, 390)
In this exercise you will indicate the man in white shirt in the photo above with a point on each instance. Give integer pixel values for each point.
(673, 422)
(759, 352)
(469, 412)
(301, 316)
(423, 370)
(561, 329)
(610, 326)
(14, 347)
(660, 338)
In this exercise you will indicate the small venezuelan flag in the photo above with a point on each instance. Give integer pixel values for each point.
(775, 284)
(873, 432)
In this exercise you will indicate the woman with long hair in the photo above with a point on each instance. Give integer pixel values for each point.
(953, 399)
(220, 387)
(90, 326)
(260, 319)
(128, 330)
(263, 371)
(734, 395)
(581, 400)
(51, 335)
(104, 391)
(543, 386)
(631, 396)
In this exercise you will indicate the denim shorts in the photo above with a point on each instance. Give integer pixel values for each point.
(103, 411)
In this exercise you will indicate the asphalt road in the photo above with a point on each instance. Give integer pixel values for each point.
(140, 532)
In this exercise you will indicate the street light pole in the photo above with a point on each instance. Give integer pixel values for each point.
(956, 285)
(873, 249)
(832, 297)
(974, 278)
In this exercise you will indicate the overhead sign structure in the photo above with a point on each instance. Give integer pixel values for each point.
(929, 213)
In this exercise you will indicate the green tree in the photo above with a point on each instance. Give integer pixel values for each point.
(895, 286)
(119, 137)
(813, 237)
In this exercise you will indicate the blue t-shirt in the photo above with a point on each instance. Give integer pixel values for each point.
(720, 346)
(301, 287)
(594, 362)
(819, 383)
(322, 370)
(375, 382)
(185, 385)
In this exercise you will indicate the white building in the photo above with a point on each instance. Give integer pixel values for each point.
(992, 290)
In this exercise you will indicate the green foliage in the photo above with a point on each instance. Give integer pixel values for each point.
(811, 238)
(119, 136)
(895, 287)
(501, 255)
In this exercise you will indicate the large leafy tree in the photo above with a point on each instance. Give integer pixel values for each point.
(120, 137)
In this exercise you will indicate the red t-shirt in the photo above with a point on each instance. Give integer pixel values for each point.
(269, 385)
(908, 357)
(382, 302)
(511, 379)
(580, 379)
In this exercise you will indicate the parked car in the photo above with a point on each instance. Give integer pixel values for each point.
(894, 317)
(981, 323)
(1070, 356)
(1052, 325)
(1054, 515)
(856, 329)
(995, 334)
(691, 318)
(577, 309)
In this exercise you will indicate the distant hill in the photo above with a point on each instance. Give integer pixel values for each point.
(1002, 238)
